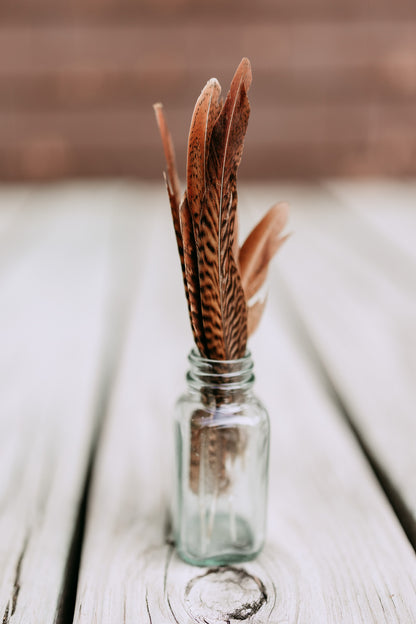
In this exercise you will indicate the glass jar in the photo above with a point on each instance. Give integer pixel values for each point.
(222, 452)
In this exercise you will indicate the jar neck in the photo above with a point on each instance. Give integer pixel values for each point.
(223, 380)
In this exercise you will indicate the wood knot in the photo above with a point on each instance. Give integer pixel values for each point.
(224, 594)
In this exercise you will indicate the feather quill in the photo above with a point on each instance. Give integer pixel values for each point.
(172, 181)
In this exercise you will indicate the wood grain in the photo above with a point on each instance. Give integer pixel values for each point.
(354, 291)
(12, 200)
(388, 207)
(335, 553)
(53, 289)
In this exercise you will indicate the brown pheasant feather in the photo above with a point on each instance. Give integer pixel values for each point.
(236, 248)
(207, 109)
(172, 181)
(182, 224)
(220, 280)
(254, 258)
(260, 247)
(191, 276)
(254, 313)
(223, 304)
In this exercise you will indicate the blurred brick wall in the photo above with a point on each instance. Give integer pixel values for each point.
(334, 89)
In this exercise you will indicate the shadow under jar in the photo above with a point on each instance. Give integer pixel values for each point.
(222, 451)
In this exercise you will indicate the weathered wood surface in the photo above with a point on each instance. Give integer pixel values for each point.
(56, 279)
(389, 207)
(86, 268)
(336, 551)
(355, 292)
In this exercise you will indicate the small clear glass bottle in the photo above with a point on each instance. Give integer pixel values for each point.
(222, 451)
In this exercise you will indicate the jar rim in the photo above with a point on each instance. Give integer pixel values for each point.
(195, 356)
(220, 375)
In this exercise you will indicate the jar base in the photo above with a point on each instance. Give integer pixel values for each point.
(230, 540)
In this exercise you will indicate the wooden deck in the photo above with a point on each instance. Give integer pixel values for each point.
(93, 343)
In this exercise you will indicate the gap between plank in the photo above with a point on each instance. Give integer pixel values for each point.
(66, 606)
(120, 308)
(398, 505)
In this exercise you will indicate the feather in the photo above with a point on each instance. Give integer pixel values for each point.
(236, 247)
(180, 218)
(223, 306)
(206, 111)
(222, 282)
(260, 247)
(254, 314)
(172, 182)
(191, 277)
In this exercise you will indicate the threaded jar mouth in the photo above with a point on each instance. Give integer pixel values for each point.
(224, 375)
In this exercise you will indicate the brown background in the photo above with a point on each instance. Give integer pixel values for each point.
(334, 88)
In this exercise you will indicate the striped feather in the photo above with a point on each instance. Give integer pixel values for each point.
(222, 283)
(206, 111)
(191, 277)
(182, 226)
(260, 246)
(223, 304)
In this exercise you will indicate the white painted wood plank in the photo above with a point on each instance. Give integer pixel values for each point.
(53, 314)
(355, 296)
(335, 551)
(389, 206)
(12, 199)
